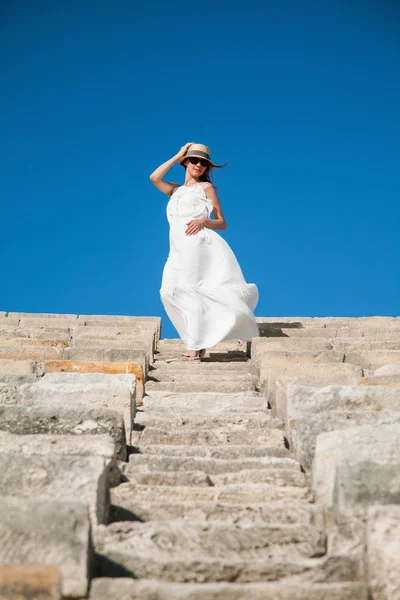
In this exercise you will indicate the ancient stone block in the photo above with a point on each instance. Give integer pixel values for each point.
(55, 476)
(58, 420)
(94, 390)
(356, 467)
(383, 551)
(48, 532)
(309, 426)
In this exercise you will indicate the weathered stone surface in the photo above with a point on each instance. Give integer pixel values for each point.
(154, 435)
(130, 589)
(30, 582)
(54, 476)
(246, 421)
(199, 551)
(92, 390)
(204, 385)
(58, 420)
(17, 367)
(135, 355)
(48, 532)
(206, 403)
(227, 451)
(373, 360)
(24, 342)
(302, 398)
(309, 426)
(381, 380)
(194, 377)
(42, 316)
(143, 463)
(383, 551)
(287, 510)
(282, 362)
(14, 379)
(36, 353)
(41, 333)
(356, 467)
(307, 374)
(127, 494)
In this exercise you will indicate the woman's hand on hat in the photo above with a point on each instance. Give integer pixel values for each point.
(195, 226)
(183, 150)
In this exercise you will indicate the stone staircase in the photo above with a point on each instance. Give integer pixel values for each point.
(214, 505)
(268, 471)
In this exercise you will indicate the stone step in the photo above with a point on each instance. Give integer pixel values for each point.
(38, 582)
(80, 421)
(128, 494)
(17, 367)
(204, 385)
(225, 435)
(180, 551)
(204, 403)
(277, 477)
(145, 463)
(130, 589)
(203, 366)
(287, 510)
(193, 377)
(236, 421)
(225, 451)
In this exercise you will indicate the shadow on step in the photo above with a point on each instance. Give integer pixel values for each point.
(119, 513)
(104, 567)
(277, 329)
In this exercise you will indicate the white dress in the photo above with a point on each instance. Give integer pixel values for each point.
(203, 289)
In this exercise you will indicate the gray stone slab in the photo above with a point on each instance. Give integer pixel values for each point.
(130, 589)
(57, 477)
(215, 437)
(43, 316)
(145, 463)
(92, 390)
(313, 375)
(58, 420)
(224, 451)
(48, 532)
(236, 421)
(199, 551)
(287, 510)
(128, 494)
(203, 385)
(354, 468)
(383, 550)
(207, 403)
(309, 426)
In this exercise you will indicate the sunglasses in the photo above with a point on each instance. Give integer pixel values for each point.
(194, 161)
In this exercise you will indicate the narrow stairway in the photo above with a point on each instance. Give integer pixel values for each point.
(213, 505)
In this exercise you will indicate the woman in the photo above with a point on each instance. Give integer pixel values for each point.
(203, 289)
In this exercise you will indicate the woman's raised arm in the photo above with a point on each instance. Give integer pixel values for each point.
(156, 177)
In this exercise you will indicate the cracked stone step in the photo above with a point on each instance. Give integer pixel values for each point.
(259, 436)
(235, 421)
(204, 403)
(144, 463)
(131, 589)
(200, 551)
(277, 477)
(227, 451)
(203, 385)
(287, 510)
(128, 494)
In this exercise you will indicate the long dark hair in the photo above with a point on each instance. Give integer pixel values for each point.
(207, 175)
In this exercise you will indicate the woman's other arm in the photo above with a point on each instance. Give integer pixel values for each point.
(167, 187)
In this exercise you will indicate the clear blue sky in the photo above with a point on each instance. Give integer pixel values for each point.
(301, 98)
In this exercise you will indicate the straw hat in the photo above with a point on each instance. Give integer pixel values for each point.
(198, 150)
